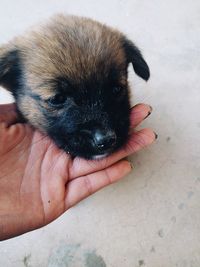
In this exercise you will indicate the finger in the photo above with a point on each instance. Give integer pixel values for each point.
(139, 113)
(137, 141)
(85, 186)
(8, 114)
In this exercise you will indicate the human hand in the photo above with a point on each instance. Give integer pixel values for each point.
(39, 182)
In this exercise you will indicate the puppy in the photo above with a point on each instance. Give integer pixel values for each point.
(69, 80)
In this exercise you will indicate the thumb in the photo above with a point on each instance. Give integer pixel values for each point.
(8, 114)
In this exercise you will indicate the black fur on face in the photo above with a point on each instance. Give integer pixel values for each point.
(94, 108)
(71, 83)
(79, 113)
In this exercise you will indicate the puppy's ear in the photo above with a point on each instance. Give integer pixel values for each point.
(134, 56)
(9, 67)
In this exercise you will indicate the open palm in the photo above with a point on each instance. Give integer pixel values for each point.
(39, 182)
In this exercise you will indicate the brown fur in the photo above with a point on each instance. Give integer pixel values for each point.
(46, 42)
(53, 59)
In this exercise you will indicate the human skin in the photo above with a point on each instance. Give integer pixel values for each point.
(39, 182)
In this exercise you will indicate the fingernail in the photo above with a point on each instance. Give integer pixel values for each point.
(149, 113)
(131, 164)
(156, 136)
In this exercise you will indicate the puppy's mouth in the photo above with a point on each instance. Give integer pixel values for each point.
(95, 148)
(86, 152)
(100, 156)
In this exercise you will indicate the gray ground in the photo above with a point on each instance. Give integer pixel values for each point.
(152, 217)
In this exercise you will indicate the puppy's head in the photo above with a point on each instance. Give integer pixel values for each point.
(69, 80)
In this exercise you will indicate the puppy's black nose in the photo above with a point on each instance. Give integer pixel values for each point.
(104, 139)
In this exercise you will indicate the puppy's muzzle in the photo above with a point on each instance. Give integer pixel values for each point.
(101, 140)
(104, 140)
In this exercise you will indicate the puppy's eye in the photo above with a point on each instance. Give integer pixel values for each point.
(57, 100)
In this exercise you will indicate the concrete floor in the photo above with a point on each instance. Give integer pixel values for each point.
(152, 217)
